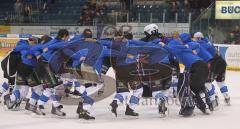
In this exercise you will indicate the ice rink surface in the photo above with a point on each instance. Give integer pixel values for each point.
(225, 117)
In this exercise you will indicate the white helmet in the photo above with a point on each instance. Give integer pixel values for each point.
(198, 35)
(151, 29)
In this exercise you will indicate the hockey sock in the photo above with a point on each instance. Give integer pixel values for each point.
(4, 87)
(15, 95)
(120, 97)
(159, 96)
(19, 93)
(34, 98)
(87, 103)
(36, 93)
(223, 88)
(210, 90)
(56, 100)
(134, 99)
(43, 99)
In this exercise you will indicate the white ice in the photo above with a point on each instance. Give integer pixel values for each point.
(226, 117)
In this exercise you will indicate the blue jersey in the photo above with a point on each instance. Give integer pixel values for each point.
(201, 52)
(52, 46)
(27, 55)
(182, 53)
(76, 57)
(208, 46)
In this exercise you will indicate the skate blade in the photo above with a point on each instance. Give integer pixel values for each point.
(192, 115)
(228, 104)
(216, 108)
(164, 115)
(5, 108)
(161, 115)
(131, 117)
(15, 109)
(208, 112)
(58, 117)
(34, 115)
(85, 121)
(27, 112)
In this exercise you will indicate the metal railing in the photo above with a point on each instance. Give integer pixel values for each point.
(36, 18)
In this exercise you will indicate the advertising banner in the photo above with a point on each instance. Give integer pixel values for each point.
(231, 54)
(227, 10)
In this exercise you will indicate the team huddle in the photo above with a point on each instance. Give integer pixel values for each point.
(143, 68)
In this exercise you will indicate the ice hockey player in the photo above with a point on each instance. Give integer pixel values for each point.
(84, 107)
(206, 57)
(53, 88)
(192, 80)
(123, 86)
(26, 76)
(3, 89)
(218, 67)
(158, 93)
(36, 90)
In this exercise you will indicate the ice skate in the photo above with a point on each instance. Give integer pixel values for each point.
(130, 112)
(114, 107)
(227, 99)
(8, 103)
(186, 111)
(83, 114)
(202, 105)
(40, 110)
(1, 97)
(30, 107)
(27, 106)
(162, 109)
(57, 111)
